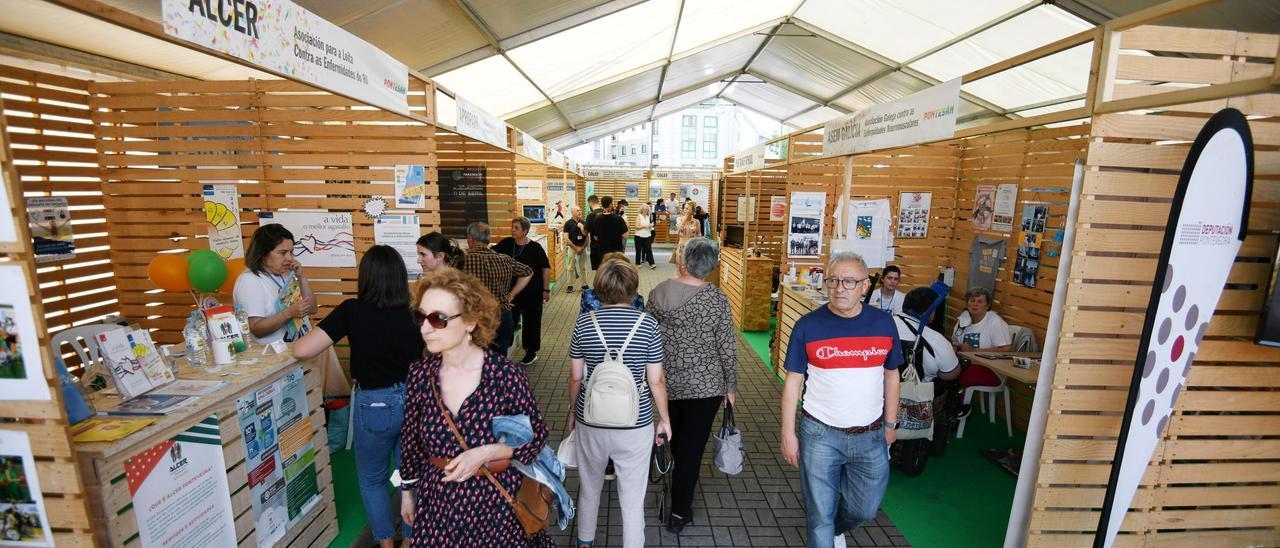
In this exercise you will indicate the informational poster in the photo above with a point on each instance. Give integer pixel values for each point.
(913, 214)
(632, 191)
(589, 190)
(1030, 238)
(50, 220)
(21, 374)
(477, 123)
(560, 200)
(222, 213)
(321, 238)
(8, 231)
(464, 199)
(24, 521)
(746, 208)
(804, 237)
(401, 232)
(179, 490)
(655, 191)
(777, 208)
(279, 455)
(286, 38)
(1053, 243)
(868, 230)
(984, 201)
(411, 186)
(529, 189)
(927, 115)
(700, 194)
(1006, 203)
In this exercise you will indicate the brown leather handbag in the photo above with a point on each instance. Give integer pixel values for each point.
(532, 503)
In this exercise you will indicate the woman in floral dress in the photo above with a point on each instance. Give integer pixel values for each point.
(689, 228)
(447, 499)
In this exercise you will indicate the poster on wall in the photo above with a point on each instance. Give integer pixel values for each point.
(589, 190)
(700, 194)
(984, 201)
(746, 208)
(179, 490)
(24, 522)
(401, 232)
(655, 191)
(777, 208)
(8, 231)
(557, 205)
(50, 220)
(411, 186)
(222, 213)
(464, 199)
(288, 39)
(321, 238)
(868, 230)
(279, 455)
(1207, 224)
(913, 214)
(21, 373)
(632, 191)
(1030, 239)
(804, 236)
(529, 189)
(1006, 203)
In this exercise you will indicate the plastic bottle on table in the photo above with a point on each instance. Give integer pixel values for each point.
(197, 342)
(243, 318)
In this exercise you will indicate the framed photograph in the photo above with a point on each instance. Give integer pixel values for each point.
(21, 371)
(25, 522)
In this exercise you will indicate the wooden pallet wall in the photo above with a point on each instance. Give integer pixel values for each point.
(53, 147)
(768, 236)
(284, 145)
(456, 150)
(1215, 479)
(819, 175)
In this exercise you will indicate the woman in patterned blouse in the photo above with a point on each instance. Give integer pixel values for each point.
(701, 364)
(447, 499)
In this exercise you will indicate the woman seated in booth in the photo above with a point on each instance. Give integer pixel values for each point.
(979, 328)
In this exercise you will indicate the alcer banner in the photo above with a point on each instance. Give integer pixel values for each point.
(286, 38)
(924, 116)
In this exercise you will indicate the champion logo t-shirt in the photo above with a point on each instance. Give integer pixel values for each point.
(844, 362)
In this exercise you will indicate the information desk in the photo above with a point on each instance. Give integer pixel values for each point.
(1004, 364)
(748, 282)
(103, 464)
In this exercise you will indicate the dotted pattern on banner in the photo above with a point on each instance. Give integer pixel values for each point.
(139, 467)
(1190, 324)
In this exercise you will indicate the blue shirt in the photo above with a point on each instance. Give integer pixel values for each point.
(844, 361)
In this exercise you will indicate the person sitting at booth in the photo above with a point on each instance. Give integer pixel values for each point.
(939, 359)
(980, 328)
(273, 290)
(888, 298)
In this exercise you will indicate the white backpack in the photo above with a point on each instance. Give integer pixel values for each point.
(612, 399)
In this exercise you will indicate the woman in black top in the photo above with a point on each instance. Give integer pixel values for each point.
(528, 309)
(379, 326)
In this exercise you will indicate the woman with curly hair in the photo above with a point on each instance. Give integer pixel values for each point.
(447, 498)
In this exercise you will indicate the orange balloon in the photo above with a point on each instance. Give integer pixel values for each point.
(169, 272)
(234, 268)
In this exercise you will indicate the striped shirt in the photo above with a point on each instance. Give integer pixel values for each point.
(645, 348)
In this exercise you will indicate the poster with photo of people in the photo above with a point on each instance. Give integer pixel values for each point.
(804, 238)
(984, 203)
(21, 376)
(1030, 238)
(23, 520)
(913, 214)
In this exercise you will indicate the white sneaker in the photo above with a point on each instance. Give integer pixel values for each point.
(839, 541)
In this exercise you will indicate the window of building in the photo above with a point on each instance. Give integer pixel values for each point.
(710, 121)
(633, 149)
(644, 149)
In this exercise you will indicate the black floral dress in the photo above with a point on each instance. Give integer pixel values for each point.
(473, 512)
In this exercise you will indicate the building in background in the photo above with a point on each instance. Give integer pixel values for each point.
(699, 136)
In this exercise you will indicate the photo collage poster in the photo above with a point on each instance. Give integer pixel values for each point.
(984, 204)
(1030, 238)
(804, 234)
(913, 214)
(21, 371)
(1006, 203)
(23, 519)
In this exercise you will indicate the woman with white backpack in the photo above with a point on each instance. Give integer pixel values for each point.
(620, 396)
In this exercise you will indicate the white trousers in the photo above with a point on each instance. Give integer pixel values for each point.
(630, 451)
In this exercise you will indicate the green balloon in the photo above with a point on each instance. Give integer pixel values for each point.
(191, 257)
(207, 272)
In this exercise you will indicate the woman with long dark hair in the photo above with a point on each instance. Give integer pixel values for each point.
(379, 326)
(273, 290)
(436, 251)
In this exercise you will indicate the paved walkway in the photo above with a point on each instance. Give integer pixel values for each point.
(760, 507)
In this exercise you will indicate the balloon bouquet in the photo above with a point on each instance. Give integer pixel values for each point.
(202, 271)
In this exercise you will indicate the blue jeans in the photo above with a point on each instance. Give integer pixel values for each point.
(379, 415)
(843, 478)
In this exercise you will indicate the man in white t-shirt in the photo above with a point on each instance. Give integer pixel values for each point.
(939, 359)
(887, 297)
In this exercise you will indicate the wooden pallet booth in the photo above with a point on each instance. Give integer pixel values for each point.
(1213, 479)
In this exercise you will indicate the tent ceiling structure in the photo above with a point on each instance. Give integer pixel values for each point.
(569, 71)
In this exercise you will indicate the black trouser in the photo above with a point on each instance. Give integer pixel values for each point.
(644, 250)
(596, 253)
(530, 315)
(690, 427)
(505, 335)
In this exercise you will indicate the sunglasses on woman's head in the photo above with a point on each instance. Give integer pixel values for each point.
(438, 320)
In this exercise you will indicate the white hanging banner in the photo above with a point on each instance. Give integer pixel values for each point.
(474, 122)
(751, 158)
(555, 158)
(924, 116)
(287, 39)
(1207, 224)
(531, 148)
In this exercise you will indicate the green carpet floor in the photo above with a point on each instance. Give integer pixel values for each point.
(346, 493)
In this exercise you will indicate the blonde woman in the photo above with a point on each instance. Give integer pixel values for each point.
(689, 228)
(644, 237)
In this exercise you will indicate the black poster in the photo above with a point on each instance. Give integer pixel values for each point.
(463, 199)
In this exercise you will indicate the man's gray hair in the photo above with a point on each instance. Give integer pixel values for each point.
(701, 256)
(523, 222)
(986, 294)
(845, 257)
(479, 232)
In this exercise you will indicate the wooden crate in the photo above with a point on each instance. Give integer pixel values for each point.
(793, 304)
(748, 283)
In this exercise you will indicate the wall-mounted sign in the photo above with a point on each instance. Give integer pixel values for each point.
(286, 38)
(927, 115)
(751, 158)
(464, 199)
(474, 122)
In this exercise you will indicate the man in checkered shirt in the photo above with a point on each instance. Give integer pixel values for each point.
(505, 277)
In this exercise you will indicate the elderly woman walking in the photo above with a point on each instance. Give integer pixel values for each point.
(701, 364)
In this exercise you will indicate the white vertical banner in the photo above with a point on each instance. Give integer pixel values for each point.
(474, 122)
(1207, 224)
(927, 115)
(555, 158)
(401, 232)
(531, 148)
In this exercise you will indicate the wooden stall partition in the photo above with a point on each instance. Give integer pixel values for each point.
(44, 420)
(54, 152)
(460, 151)
(1214, 480)
(556, 178)
(824, 175)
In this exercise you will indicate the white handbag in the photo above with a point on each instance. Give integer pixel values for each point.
(915, 405)
(567, 453)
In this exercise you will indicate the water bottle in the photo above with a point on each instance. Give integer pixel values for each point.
(197, 342)
(243, 317)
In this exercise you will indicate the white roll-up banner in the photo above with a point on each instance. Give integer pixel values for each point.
(1207, 225)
